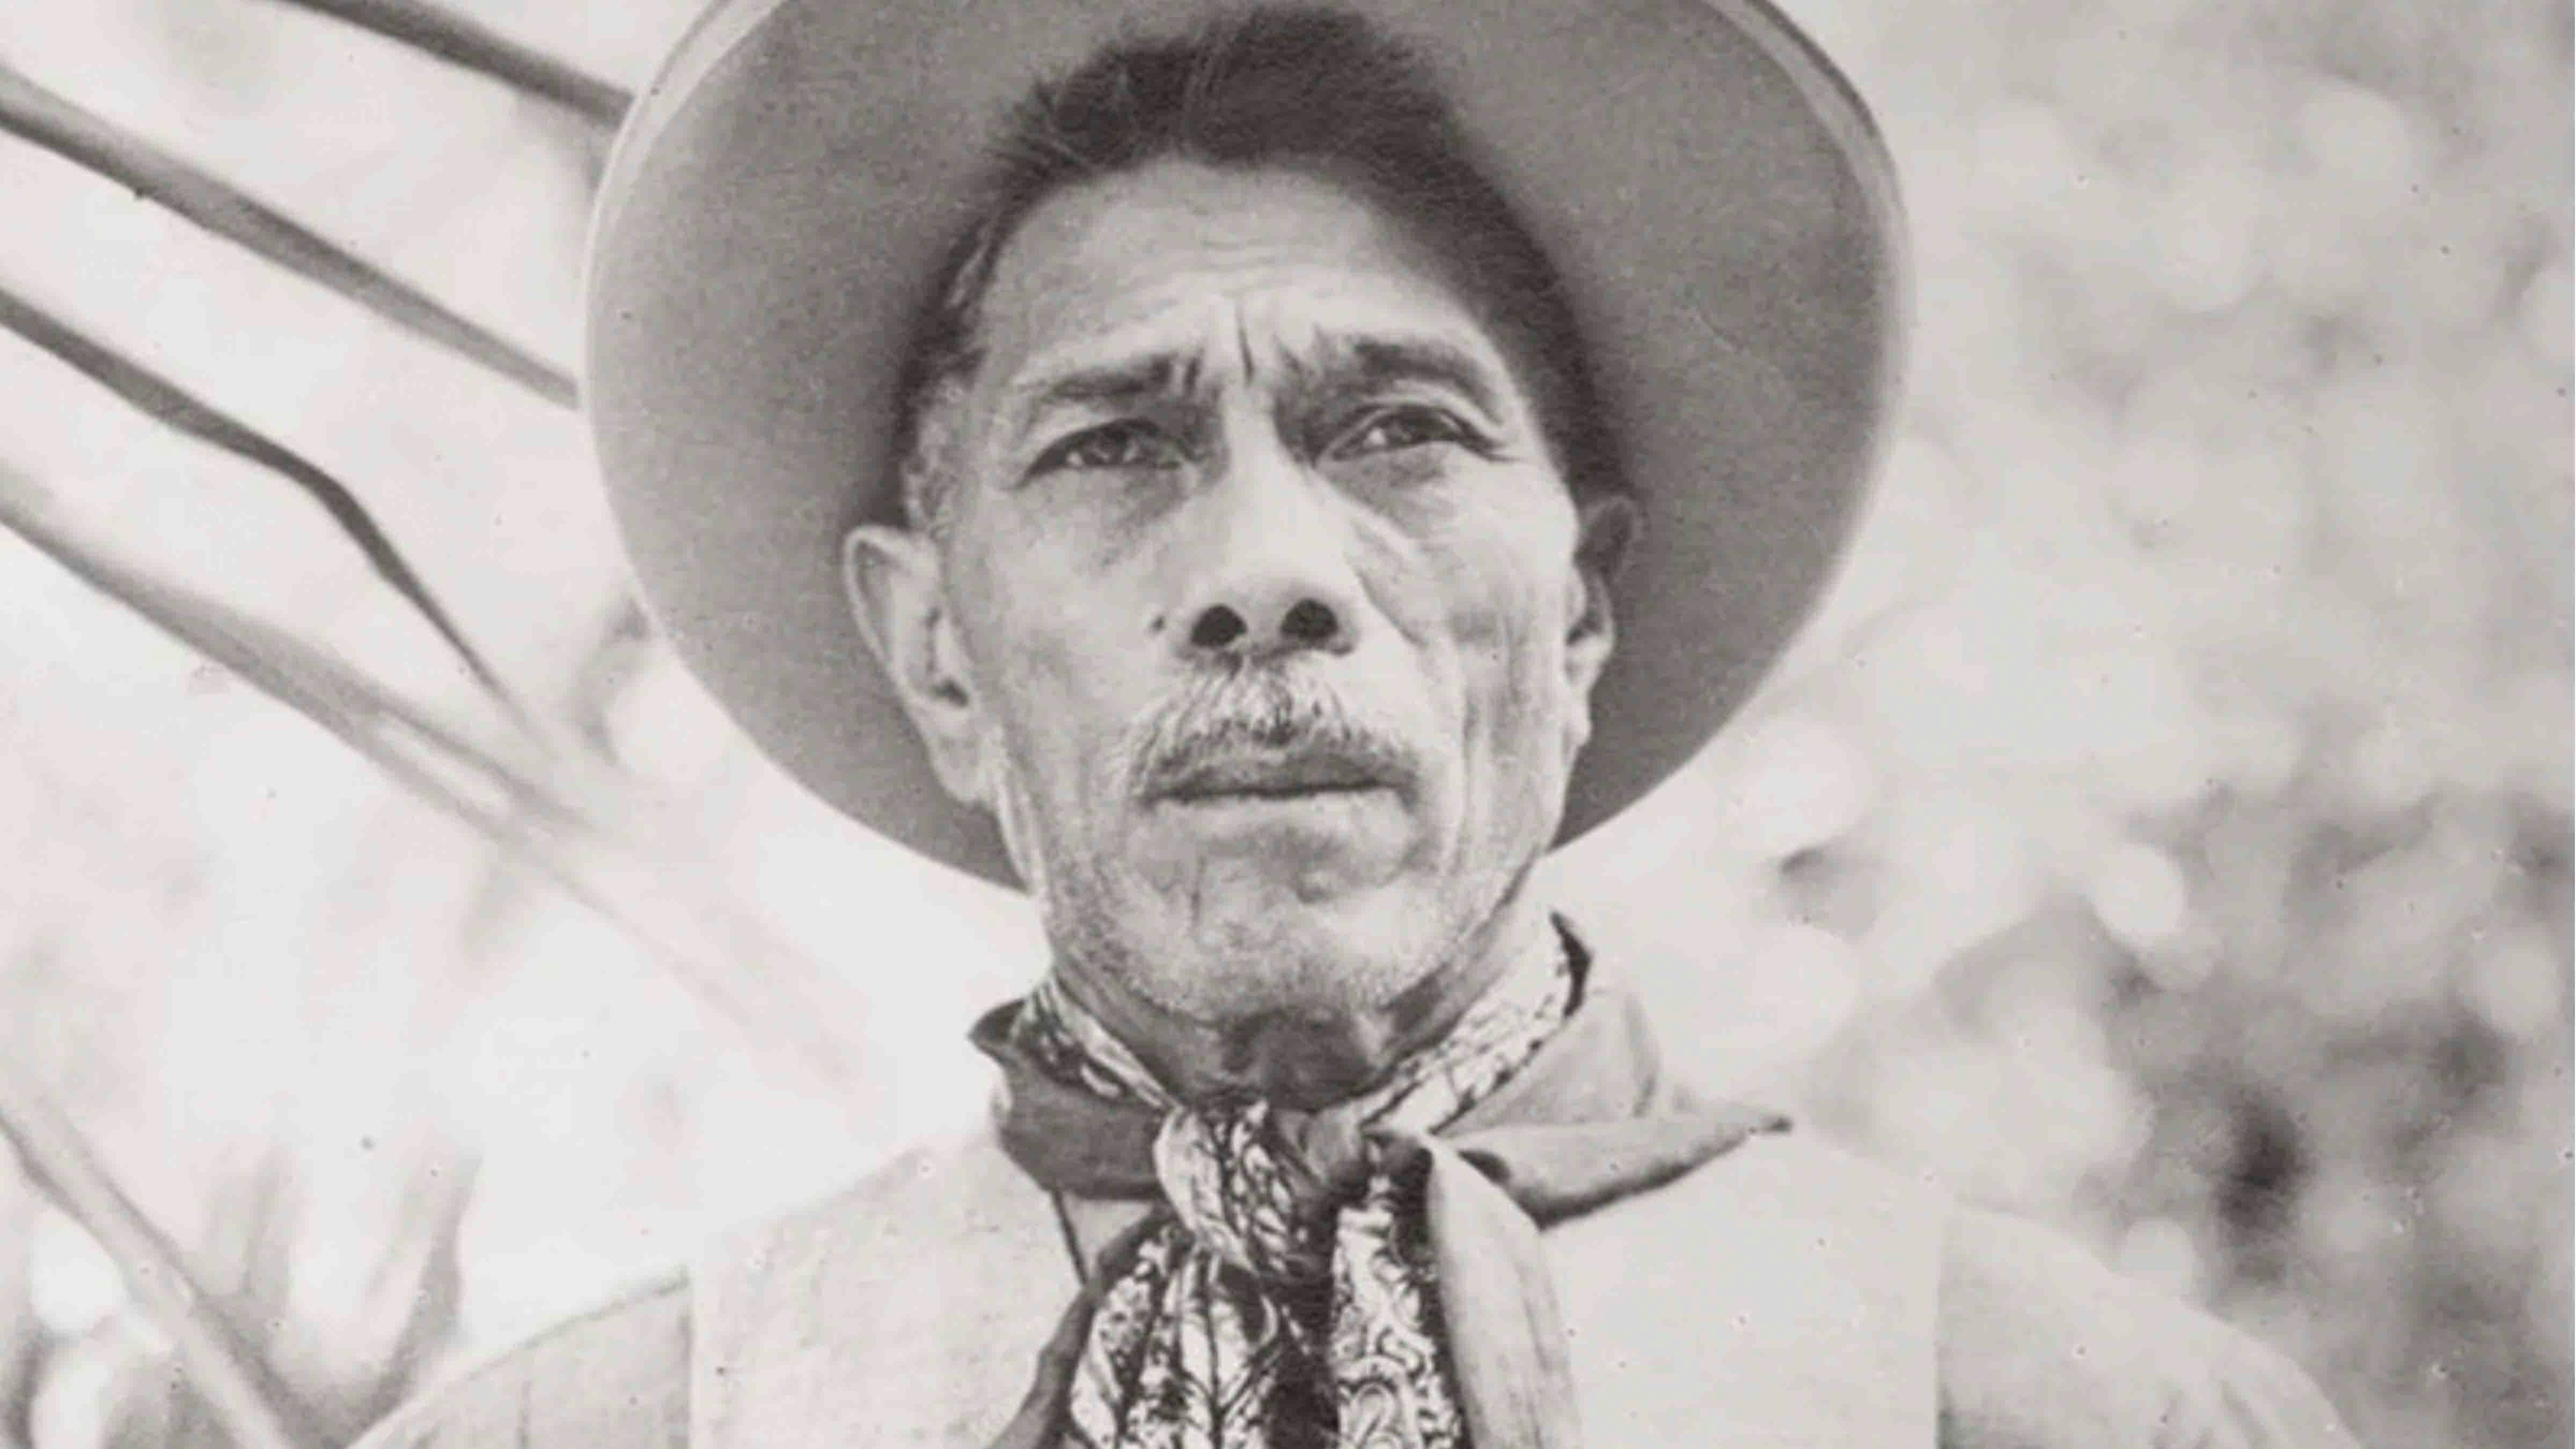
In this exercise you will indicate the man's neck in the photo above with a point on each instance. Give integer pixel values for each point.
(1312, 1061)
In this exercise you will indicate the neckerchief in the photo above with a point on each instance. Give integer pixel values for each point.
(1365, 1275)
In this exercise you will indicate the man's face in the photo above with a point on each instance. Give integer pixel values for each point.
(1257, 613)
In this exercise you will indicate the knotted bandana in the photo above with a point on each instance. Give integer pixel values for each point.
(1368, 1275)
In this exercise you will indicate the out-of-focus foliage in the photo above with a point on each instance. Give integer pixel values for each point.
(2165, 830)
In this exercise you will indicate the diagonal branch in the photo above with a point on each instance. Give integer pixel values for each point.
(784, 1007)
(332, 695)
(248, 1399)
(35, 114)
(166, 402)
(462, 42)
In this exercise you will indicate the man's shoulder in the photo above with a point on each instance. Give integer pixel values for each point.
(621, 1373)
(961, 1180)
(1800, 1172)
(1786, 1287)
(1806, 1274)
(914, 1302)
(2044, 1344)
(923, 1207)
(1788, 1203)
(615, 1375)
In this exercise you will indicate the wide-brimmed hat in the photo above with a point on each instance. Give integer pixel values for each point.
(1716, 199)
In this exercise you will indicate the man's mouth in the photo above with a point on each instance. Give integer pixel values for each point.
(1276, 776)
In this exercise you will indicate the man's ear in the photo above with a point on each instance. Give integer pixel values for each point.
(893, 579)
(1606, 528)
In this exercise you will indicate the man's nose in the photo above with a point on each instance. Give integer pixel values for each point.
(1307, 623)
(1274, 576)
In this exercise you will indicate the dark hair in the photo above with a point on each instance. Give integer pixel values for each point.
(1308, 89)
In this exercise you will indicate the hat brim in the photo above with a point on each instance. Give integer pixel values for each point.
(1716, 198)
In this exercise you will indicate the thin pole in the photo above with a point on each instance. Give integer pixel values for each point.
(468, 44)
(254, 1407)
(164, 400)
(44, 118)
(784, 1007)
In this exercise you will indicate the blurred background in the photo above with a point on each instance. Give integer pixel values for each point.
(2164, 832)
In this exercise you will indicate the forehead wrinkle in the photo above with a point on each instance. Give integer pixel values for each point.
(1243, 343)
(1274, 329)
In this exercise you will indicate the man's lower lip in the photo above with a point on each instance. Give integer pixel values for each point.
(1274, 797)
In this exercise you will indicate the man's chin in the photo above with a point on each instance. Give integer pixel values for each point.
(1311, 846)
(1256, 948)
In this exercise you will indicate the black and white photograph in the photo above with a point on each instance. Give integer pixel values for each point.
(1286, 724)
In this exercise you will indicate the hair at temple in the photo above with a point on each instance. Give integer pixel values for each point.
(1304, 89)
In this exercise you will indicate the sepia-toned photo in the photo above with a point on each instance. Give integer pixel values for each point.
(1246, 724)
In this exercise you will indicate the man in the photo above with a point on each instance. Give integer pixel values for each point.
(1171, 460)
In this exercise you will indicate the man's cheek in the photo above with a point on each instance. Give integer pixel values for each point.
(1050, 729)
(1063, 669)
(1505, 648)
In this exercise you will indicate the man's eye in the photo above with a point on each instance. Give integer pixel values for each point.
(1128, 443)
(1388, 430)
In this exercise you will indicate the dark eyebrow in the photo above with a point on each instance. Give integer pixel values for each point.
(1347, 365)
(1365, 363)
(1116, 384)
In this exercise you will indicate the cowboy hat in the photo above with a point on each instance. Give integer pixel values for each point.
(1715, 197)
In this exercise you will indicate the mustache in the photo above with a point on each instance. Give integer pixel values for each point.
(1265, 710)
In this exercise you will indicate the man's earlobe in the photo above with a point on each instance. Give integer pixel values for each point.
(1607, 529)
(892, 577)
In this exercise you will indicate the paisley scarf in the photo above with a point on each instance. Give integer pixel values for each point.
(1367, 1275)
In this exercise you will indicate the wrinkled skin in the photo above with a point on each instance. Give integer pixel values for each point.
(1260, 615)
